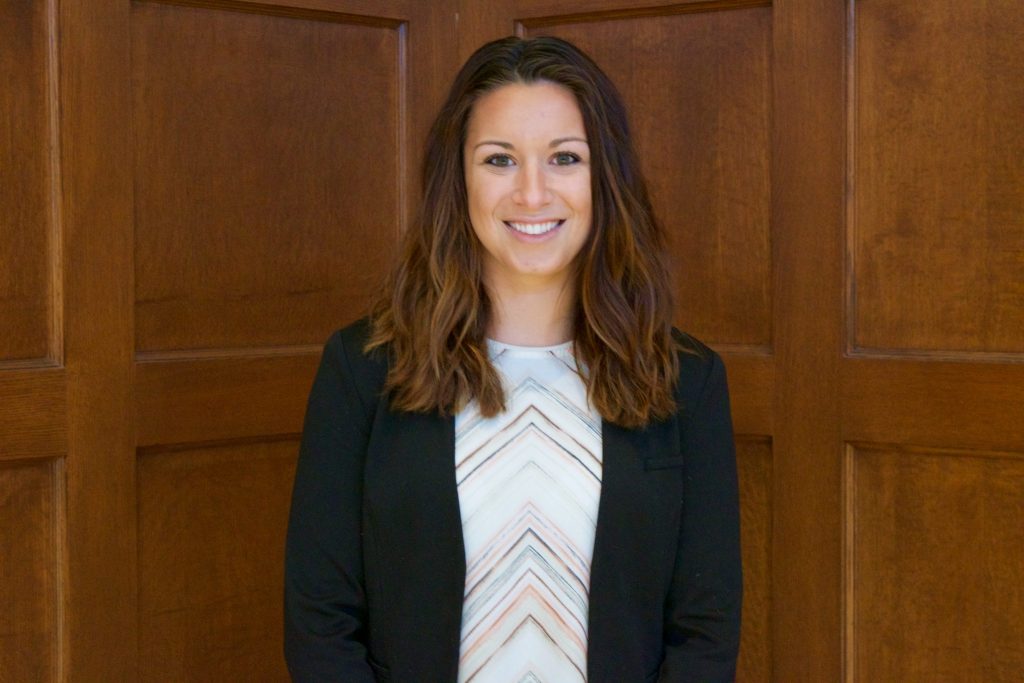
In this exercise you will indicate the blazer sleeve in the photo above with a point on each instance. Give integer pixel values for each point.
(703, 612)
(325, 613)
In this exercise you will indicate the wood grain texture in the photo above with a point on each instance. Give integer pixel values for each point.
(697, 87)
(601, 10)
(26, 182)
(267, 174)
(938, 167)
(211, 562)
(193, 401)
(32, 413)
(962, 405)
(754, 458)
(808, 154)
(30, 567)
(751, 391)
(100, 616)
(937, 565)
(481, 22)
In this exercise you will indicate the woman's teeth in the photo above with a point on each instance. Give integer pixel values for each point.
(534, 228)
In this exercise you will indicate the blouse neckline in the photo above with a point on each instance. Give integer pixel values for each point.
(496, 348)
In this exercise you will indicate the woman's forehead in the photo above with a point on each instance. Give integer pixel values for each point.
(541, 110)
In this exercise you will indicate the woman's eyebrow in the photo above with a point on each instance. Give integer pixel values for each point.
(554, 143)
(561, 141)
(506, 145)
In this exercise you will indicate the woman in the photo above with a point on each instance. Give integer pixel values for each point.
(515, 469)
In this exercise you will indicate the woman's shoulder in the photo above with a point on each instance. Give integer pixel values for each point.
(347, 349)
(699, 366)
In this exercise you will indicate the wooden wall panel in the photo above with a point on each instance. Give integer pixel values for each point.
(268, 190)
(32, 413)
(219, 399)
(937, 589)
(26, 182)
(754, 458)
(211, 561)
(30, 570)
(938, 166)
(954, 404)
(698, 89)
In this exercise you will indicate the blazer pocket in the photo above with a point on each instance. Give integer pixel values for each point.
(380, 672)
(664, 463)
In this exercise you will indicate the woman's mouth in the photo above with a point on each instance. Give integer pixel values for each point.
(534, 228)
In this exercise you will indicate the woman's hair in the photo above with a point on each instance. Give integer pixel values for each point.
(433, 314)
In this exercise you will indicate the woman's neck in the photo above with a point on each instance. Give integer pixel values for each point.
(532, 316)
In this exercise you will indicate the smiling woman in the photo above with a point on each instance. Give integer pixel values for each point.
(516, 469)
(528, 183)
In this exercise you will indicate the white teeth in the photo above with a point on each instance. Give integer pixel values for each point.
(534, 228)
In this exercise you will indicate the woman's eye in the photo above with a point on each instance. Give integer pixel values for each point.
(566, 159)
(499, 160)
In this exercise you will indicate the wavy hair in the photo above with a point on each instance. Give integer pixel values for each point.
(432, 316)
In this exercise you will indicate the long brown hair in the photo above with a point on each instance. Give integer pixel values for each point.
(433, 314)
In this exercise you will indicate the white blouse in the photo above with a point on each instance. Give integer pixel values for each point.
(529, 483)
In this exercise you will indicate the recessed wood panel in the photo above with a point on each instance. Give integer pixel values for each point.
(267, 179)
(216, 399)
(938, 223)
(698, 88)
(754, 458)
(29, 567)
(211, 562)
(938, 570)
(25, 182)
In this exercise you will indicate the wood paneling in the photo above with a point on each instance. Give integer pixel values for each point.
(751, 391)
(964, 405)
(216, 399)
(754, 458)
(211, 561)
(32, 418)
(194, 193)
(698, 90)
(100, 616)
(808, 157)
(29, 567)
(26, 182)
(267, 178)
(938, 238)
(938, 572)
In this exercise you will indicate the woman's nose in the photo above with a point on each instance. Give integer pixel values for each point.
(531, 189)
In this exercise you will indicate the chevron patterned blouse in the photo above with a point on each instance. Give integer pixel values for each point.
(529, 481)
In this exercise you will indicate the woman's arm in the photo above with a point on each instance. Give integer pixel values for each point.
(324, 602)
(702, 626)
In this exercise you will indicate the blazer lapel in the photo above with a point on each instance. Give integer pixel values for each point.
(633, 551)
(415, 505)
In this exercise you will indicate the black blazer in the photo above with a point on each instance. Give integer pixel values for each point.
(375, 564)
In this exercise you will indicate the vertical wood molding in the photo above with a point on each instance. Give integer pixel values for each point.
(807, 215)
(480, 22)
(60, 563)
(101, 596)
(56, 227)
(849, 572)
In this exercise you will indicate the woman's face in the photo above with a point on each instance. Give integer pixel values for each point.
(527, 167)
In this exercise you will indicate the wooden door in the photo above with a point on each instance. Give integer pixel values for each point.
(932, 379)
(33, 430)
(194, 193)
